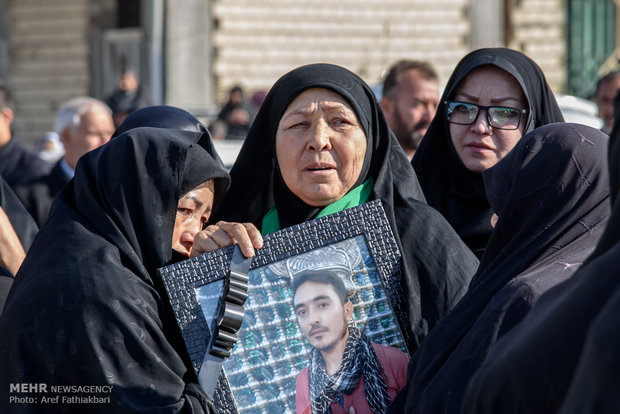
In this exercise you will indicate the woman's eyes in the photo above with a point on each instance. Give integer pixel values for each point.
(341, 121)
(184, 211)
(299, 124)
(335, 122)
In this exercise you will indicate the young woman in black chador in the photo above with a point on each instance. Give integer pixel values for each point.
(493, 97)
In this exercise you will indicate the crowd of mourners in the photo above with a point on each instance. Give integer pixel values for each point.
(504, 214)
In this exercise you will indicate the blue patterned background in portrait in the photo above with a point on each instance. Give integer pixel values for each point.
(272, 350)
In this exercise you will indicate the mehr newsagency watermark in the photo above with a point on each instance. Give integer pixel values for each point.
(40, 393)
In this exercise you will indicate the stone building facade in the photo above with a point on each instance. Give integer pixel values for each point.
(190, 52)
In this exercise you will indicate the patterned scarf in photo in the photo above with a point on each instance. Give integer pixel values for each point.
(359, 358)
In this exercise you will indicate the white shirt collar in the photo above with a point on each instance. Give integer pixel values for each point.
(69, 172)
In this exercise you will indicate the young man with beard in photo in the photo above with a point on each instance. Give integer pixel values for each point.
(346, 372)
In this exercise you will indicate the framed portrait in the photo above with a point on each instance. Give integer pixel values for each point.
(324, 306)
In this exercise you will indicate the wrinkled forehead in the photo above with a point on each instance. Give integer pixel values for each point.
(333, 78)
(490, 76)
(318, 98)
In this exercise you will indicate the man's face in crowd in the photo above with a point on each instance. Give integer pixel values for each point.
(411, 108)
(478, 145)
(321, 315)
(605, 101)
(95, 129)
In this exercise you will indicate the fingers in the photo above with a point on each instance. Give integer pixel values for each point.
(255, 236)
(203, 243)
(223, 234)
(246, 235)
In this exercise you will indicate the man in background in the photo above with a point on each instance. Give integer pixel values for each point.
(83, 124)
(607, 88)
(129, 96)
(235, 117)
(409, 101)
(18, 165)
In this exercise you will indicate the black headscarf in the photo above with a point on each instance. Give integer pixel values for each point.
(87, 307)
(256, 170)
(448, 185)
(170, 117)
(551, 193)
(531, 368)
(437, 266)
(6, 281)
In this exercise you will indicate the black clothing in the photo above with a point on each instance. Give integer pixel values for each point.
(125, 102)
(236, 132)
(532, 367)
(19, 166)
(170, 117)
(37, 196)
(448, 185)
(20, 219)
(436, 267)
(548, 224)
(87, 306)
(167, 117)
(6, 281)
(595, 384)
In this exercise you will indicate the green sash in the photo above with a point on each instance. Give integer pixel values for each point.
(359, 195)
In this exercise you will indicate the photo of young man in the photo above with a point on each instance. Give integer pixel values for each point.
(347, 373)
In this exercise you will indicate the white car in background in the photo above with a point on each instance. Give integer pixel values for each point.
(579, 110)
(227, 150)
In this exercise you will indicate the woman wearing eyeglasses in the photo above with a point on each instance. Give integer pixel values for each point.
(493, 97)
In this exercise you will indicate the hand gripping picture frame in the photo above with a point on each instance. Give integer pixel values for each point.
(274, 340)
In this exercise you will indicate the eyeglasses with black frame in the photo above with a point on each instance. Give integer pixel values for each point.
(500, 117)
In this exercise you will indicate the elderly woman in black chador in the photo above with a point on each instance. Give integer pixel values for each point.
(87, 307)
(564, 356)
(320, 144)
(493, 97)
(551, 193)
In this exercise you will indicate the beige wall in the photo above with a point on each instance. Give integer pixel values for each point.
(188, 54)
(254, 42)
(539, 30)
(49, 60)
(258, 41)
